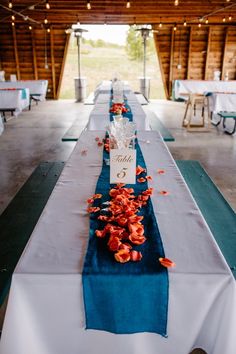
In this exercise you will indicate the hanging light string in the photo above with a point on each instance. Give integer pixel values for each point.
(20, 14)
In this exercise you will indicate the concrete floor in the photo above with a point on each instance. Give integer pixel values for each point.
(35, 136)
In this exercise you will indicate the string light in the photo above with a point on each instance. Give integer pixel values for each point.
(175, 27)
(89, 5)
(199, 25)
(30, 28)
(206, 21)
(176, 3)
(128, 4)
(45, 20)
(47, 5)
(10, 5)
(185, 23)
(223, 19)
(160, 24)
(230, 18)
(48, 30)
(13, 24)
(13, 18)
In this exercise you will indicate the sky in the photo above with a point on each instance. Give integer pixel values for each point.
(109, 33)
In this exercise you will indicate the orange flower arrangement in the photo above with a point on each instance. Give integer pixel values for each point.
(118, 108)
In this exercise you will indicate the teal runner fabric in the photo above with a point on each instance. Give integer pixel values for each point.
(130, 297)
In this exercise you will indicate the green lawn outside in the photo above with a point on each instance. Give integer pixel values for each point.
(104, 63)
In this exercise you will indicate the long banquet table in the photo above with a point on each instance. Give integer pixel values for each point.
(45, 312)
(182, 88)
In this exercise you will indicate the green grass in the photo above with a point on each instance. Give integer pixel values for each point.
(103, 63)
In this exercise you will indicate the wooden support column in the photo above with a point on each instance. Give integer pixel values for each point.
(63, 64)
(224, 54)
(53, 63)
(34, 55)
(207, 53)
(189, 52)
(16, 52)
(171, 61)
(160, 64)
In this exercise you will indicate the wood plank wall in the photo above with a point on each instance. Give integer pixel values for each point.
(196, 53)
(188, 53)
(25, 53)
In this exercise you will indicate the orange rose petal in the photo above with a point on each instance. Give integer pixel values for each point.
(114, 243)
(97, 196)
(122, 256)
(149, 178)
(166, 262)
(135, 256)
(93, 209)
(164, 192)
(100, 233)
(90, 201)
(160, 171)
(100, 143)
(141, 180)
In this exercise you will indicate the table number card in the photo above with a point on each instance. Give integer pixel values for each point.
(123, 166)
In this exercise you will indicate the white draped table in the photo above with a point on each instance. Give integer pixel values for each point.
(182, 88)
(36, 87)
(15, 100)
(45, 313)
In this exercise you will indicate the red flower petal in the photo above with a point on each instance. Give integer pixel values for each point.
(164, 192)
(93, 209)
(97, 196)
(141, 180)
(166, 262)
(135, 256)
(122, 256)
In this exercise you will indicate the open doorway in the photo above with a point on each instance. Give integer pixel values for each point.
(108, 51)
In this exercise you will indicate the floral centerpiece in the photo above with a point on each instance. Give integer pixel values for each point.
(118, 108)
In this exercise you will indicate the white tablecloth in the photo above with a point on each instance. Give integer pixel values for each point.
(14, 99)
(36, 87)
(182, 88)
(45, 313)
(222, 102)
(99, 117)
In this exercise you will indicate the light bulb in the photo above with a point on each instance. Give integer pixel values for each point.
(128, 4)
(88, 5)
(13, 18)
(47, 5)
(10, 5)
(206, 21)
(30, 28)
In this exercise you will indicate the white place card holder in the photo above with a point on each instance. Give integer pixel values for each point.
(123, 166)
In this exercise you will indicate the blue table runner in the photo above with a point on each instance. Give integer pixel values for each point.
(130, 297)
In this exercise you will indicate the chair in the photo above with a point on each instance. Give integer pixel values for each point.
(194, 102)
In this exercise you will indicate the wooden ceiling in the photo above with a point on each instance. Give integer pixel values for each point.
(66, 12)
